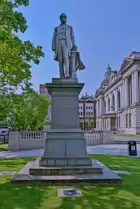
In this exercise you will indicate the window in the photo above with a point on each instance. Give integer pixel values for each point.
(126, 120)
(129, 120)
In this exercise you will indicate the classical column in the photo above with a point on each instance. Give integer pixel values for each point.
(106, 99)
(139, 84)
(126, 92)
(130, 91)
(111, 102)
(101, 106)
(97, 109)
(122, 95)
(116, 100)
(136, 87)
(133, 89)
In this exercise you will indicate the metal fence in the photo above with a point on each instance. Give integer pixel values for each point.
(4, 139)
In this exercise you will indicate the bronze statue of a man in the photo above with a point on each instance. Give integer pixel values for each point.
(62, 44)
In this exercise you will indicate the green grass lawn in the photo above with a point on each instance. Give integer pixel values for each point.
(3, 147)
(127, 136)
(126, 196)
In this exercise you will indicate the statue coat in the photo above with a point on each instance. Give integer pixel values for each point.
(70, 40)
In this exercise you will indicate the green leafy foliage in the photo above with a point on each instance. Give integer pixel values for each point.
(16, 57)
(15, 54)
(27, 111)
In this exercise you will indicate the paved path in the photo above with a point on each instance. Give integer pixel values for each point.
(113, 149)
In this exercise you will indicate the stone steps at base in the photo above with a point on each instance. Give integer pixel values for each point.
(38, 170)
(68, 182)
(107, 177)
(65, 171)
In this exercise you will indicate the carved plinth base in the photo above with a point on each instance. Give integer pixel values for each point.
(38, 170)
(65, 147)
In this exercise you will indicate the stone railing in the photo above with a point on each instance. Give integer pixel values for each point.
(28, 135)
(23, 140)
(94, 137)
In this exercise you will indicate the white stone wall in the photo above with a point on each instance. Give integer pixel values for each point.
(127, 117)
(26, 140)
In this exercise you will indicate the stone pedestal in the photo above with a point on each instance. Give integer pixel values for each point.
(65, 144)
(65, 161)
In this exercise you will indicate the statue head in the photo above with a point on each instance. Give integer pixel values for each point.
(63, 18)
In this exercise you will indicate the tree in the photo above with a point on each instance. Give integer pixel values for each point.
(81, 124)
(15, 54)
(91, 124)
(28, 111)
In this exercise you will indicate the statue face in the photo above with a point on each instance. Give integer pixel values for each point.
(63, 19)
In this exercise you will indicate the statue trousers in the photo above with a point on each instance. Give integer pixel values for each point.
(64, 59)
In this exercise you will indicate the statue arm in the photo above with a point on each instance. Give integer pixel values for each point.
(72, 36)
(54, 40)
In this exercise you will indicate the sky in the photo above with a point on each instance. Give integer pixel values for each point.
(106, 31)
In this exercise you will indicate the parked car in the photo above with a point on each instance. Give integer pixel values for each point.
(3, 133)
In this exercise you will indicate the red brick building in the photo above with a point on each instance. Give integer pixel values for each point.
(44, 91)
(87, 112)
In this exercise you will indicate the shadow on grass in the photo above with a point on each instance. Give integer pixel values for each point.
(12, 197)
(2, 149)
(13, 164)
(126, 196)
(25, 197)
(103, 198)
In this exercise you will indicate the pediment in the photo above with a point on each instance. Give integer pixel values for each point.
(125, 64)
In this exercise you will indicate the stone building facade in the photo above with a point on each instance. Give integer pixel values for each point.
(118, 98)
(87, 112)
